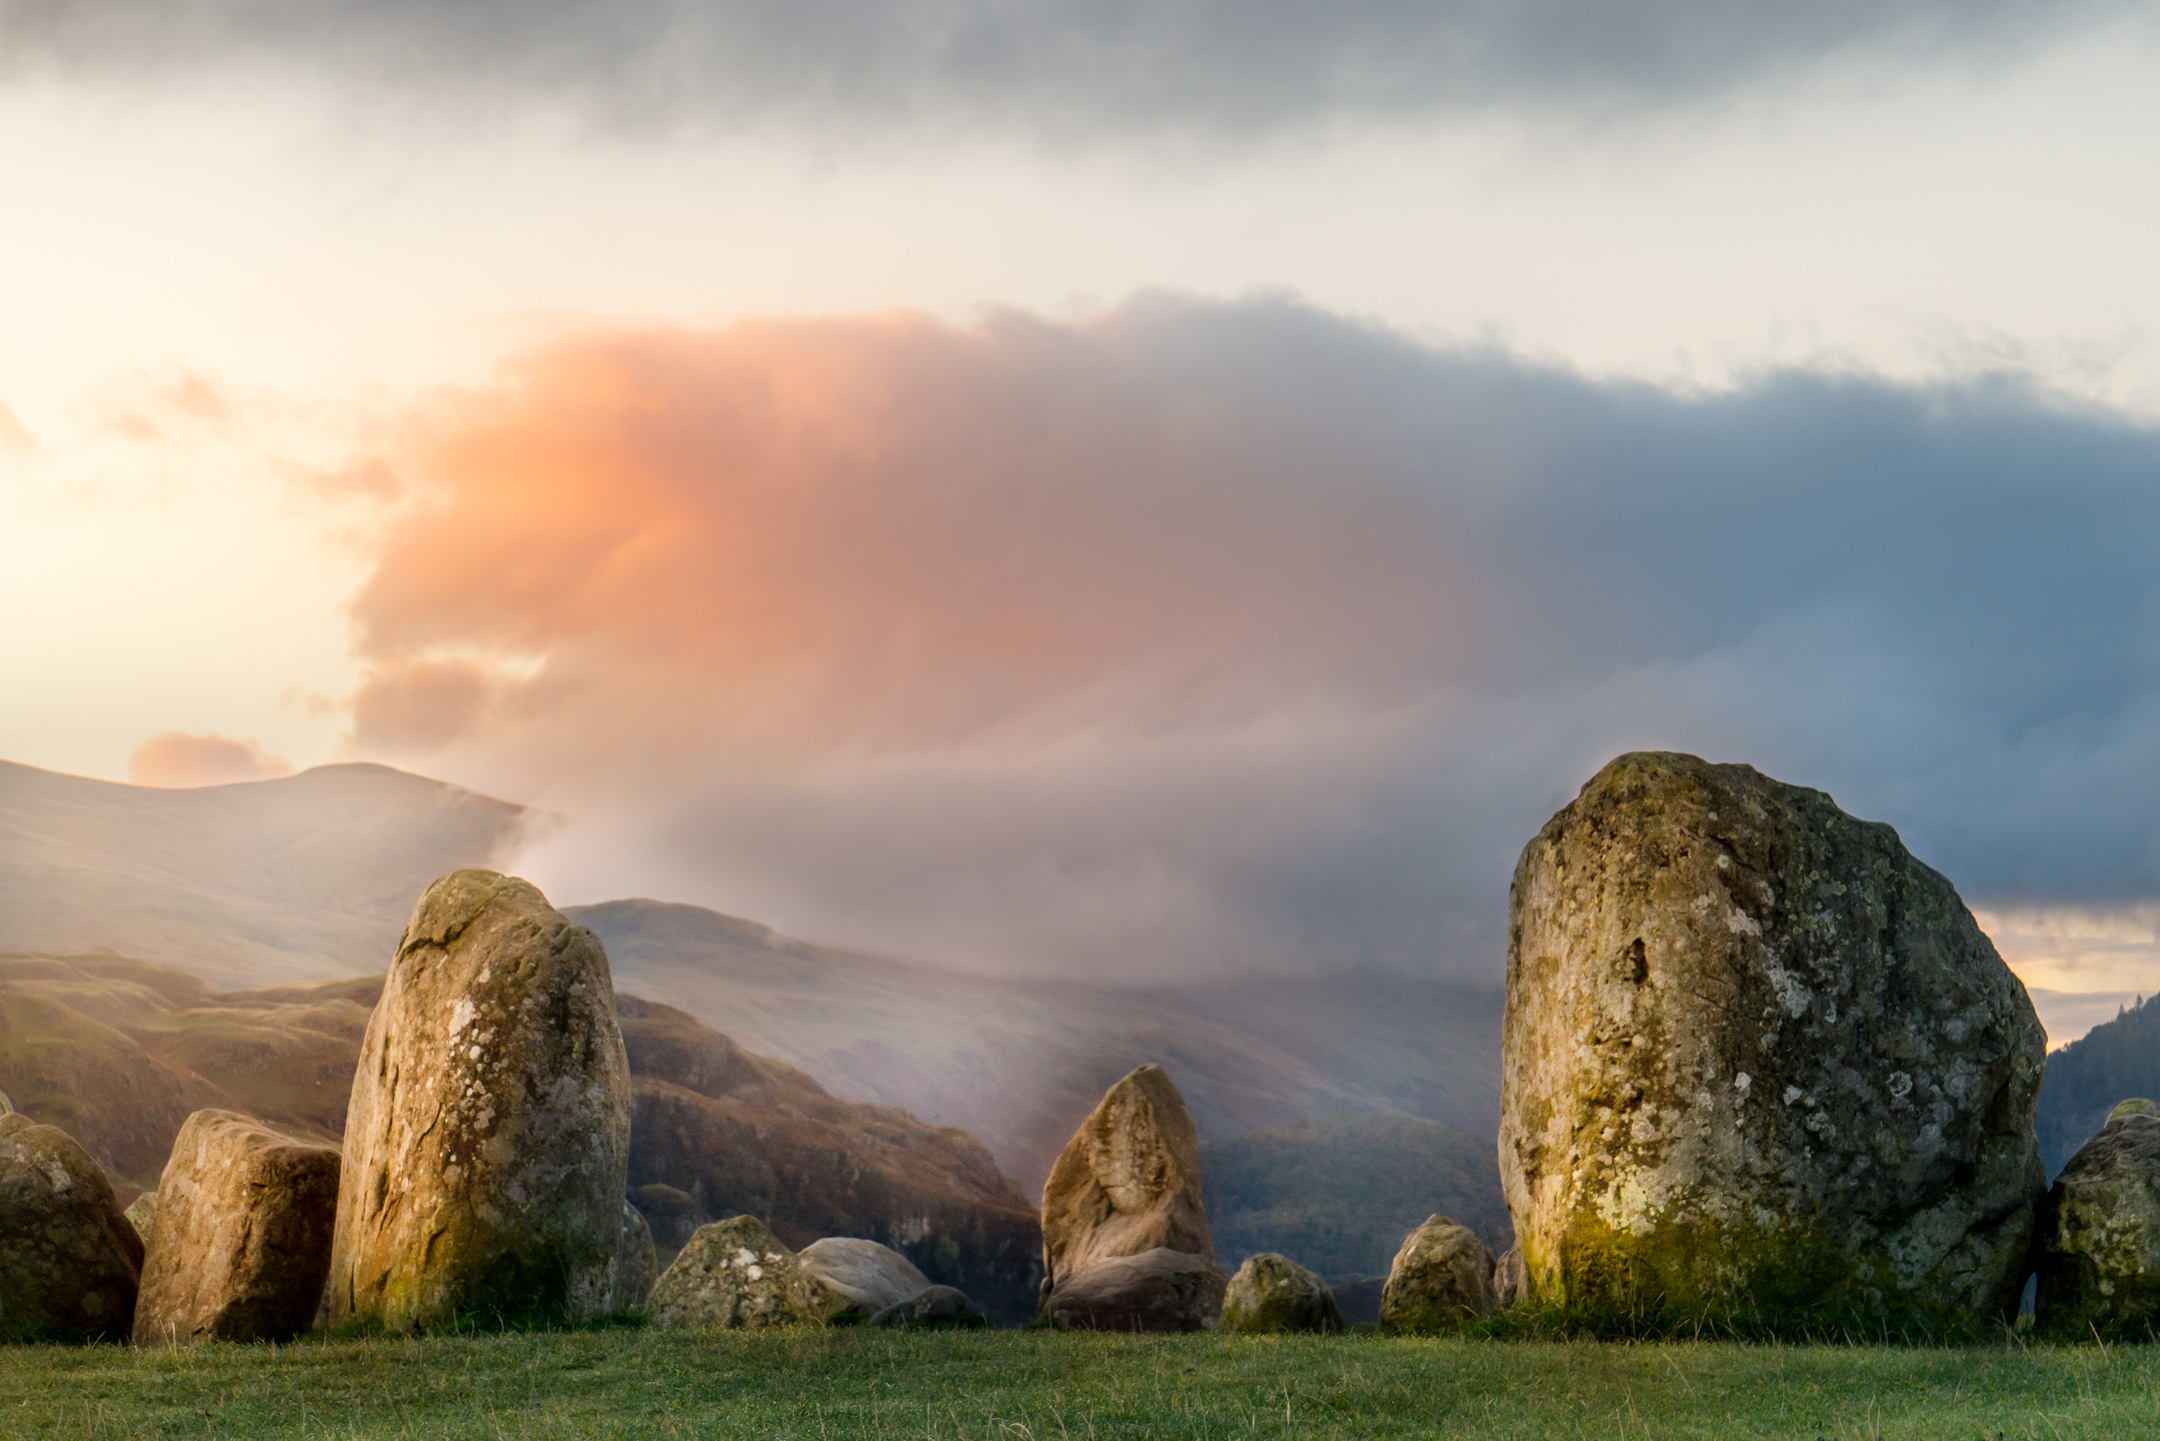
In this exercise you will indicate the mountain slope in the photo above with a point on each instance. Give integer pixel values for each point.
(270, 882)
(1020, 1063)
(2112, 1062)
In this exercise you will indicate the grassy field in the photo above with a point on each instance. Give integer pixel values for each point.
(1035, 1385)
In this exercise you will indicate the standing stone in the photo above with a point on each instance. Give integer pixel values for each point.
(2098, 1252)
(736, 1274)
(1441, 1279)
(1510, 1283)
(1273, 1293)
(1128, 1185)
(242, 1240)
(487, 1143)
(69, 1260)
(637, 1262)
(142, 1215)
(872, 1277)
(1756, 1058)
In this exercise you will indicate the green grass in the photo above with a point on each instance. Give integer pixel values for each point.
(646, 1383)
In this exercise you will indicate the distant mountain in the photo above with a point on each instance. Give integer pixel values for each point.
(2112, 1062)
(1021, 1063)
(1340, 1198)
(306, 878)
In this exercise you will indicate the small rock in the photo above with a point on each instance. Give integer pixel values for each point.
(1158, 1290)
(874, 1278)
(933, 1308)
(487, 1144)
(1274, 1293)
(737, 1274)
(637, 1263)
(1128, 1185)
(1510, 1282)
(142, 1215)
(2098, 1251)
(242, 1241)
(70, 1261)
(1442, 1278)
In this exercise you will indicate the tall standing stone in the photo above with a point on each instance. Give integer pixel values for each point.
(1126, 1186)
(241, 1241)
(70, 1260)
(487, 1143)
(1758, 1059)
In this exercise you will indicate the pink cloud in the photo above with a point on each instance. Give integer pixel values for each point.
(172, 760)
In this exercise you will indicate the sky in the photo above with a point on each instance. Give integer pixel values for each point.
(1120, 490)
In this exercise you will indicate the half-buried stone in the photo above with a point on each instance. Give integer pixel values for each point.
(1272, 1293)
(242, 1236)
(69, 1259)
(1758, 1061)
(1441, 1280)
(1126, 1244)
(2098, 1252)
(936, 1308)
(737, 1274)
(487, 1144)
(872, 1277)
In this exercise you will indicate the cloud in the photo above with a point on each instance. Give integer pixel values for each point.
(175, 761)
(1073, 66)
(1202, 637)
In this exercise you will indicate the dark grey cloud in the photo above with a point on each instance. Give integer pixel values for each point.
(1212, 636)
(1059, 66)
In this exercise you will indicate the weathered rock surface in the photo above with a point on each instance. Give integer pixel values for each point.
(69, 1260)
(1759, 1058)
(242, 1240)
(2098, 1249)
(142, 1215)
(871, 1277)
(720, 1131)
(637, 1262)
(1126, 1185)
(1510, 1282)
(487, 1143)
(933, 1308)
(1274, 1293)
(737, 1274)
(1441, 1279)
(1158, 1290)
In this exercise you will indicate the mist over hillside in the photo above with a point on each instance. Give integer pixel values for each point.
(307, 878)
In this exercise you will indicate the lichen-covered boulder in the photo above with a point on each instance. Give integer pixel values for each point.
(487, 1143)
(872, 1277)
(142, 1215)
(1158, 1290)
(1128, 1184)
(1756, 1058)
(1274, 1293)
(637, 1262)
(934, 1308)
(242, 1240)
(69, 1260)
(2098, 1249)
(736, 1274)
(1509, 1281)
(1441, 1279)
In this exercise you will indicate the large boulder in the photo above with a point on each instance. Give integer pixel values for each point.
(2098, 1250)
(870, 1276)
(1274, 1293)
(1128, 1185)
(487, 1143)
(1441, 1279)
(736, 1274)
(1158, 1290)
(242, 1236)
(69, 1260)
(1756, 1058)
